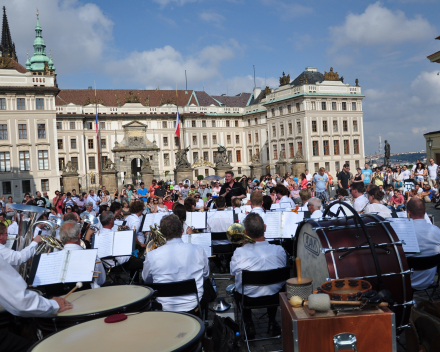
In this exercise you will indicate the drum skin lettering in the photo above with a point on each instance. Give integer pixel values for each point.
(311, 244)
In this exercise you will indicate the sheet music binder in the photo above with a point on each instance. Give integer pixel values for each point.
(133, 245)
(189, 216)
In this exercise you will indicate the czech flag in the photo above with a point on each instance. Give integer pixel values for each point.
(177, 125)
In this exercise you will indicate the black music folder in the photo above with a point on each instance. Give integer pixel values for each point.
(114, 244)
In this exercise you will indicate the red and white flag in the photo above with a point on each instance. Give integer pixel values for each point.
(177, 125)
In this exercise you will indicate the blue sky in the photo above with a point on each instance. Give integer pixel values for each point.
(149, 44)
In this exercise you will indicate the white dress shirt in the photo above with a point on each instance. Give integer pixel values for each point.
(118, 260)
(15, 257)
(317, 214)
(13, 229)
(255, 257)
(360, 203)
(219, 223)
(93, 199)
(41, 232)
(177, 261)
(16, 300)
(97, 282)
(305, 207)
(380, 209)
(428, 237)
(286, 202)
(133, 221)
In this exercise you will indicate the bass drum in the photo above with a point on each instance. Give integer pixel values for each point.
(314, 236)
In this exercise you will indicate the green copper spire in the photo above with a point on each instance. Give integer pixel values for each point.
(39, 60)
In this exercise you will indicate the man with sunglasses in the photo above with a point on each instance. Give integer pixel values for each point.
(344, 177)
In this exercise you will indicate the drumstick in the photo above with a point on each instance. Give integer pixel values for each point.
(96, 277)
(78, 285)
(94, 271)
(98, 262)
(298, 269)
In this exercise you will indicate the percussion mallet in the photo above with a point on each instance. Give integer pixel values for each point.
(321, 302)
(78, 285)
(299, 286)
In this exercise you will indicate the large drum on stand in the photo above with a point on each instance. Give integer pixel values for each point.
(97, 303)
(319, 242)
(150, 331)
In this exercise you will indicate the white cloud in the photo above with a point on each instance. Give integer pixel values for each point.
(166, 66)
(426, 88)
(212, 17)
(77, 34)
(240, 84)
(380, 26)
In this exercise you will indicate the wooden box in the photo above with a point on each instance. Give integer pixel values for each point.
(374, 330)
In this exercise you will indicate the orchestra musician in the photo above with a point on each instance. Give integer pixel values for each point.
(314, 206)
(305, 195)
(70, 235)
(17, 301)
(283, 195)
(176, 261)
(133, 221)
(360, 200)
(15, 257)
(39, 229)
(257, 256)
(428, 236)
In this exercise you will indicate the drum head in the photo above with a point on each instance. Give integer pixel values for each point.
(313, 262)
(104, 298)
(150, 331)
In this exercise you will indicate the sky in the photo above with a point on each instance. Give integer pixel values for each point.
(149, 44)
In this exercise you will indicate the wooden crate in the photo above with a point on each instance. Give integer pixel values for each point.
(375, 330)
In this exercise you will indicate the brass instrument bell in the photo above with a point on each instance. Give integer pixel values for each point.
(236, 234)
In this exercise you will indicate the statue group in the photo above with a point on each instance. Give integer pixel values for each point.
(387, 154)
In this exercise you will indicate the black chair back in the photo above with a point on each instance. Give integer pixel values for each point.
(423, 263)
(265, 277)
(218, 236)
(174, 289)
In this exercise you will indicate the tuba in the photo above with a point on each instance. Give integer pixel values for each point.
(25, 230)
(236, 234)
(90, 221)
(49, 242)
(158, 239)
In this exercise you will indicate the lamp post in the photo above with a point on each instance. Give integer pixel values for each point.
(430, 146)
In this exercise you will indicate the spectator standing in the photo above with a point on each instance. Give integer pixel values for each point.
(309, 177)
(160, 191)
(432, 172)
(398, 183)
(406, 174)
(46, 197)
(367, 172)
(344, 177)
(129, 192)
(152, 188)
(419, 174)
(320, 183)
(9, 211)
(377, 177)
(143, 192)
(41, 202)
(58, 203)
(359, 177)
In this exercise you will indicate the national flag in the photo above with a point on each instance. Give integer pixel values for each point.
(96, 108)
(177, 125)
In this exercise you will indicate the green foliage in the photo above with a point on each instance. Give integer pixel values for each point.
(200, 177)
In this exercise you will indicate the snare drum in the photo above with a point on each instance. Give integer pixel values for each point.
(150, 331)
(98, 303)
(316, 242)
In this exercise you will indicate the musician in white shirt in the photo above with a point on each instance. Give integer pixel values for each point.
(283, 195)
(305, 195)
(15, 257)
(40, 228)
(360, 201)
(256, 204)
(428, 236)
(18, 301)
(176, 261)
(255, 257)
(133, 221)
(314, 205)
(70, 235)
(13, 227)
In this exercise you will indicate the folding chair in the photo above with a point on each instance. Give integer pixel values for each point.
(114, 273)
(175, 289)
(425, 263)
(260, 278)
(221, 249)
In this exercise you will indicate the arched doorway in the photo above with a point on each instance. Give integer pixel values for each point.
(136, 166)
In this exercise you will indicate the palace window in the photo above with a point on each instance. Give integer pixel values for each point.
(291, 152)
(41, 127)
(72, 125)
(89, 125)
(3, 131)
(39, 103)
(194, 140)
(238, 154)
(214, 139)
(204, 123)
(213, 123)
(237, 138)
(164, 124)
(298, 107)
(103, 143)
(280, 111)
(282, 129)
(205, 155)
(43, 160)
(61, 164)
(24, 161)
(290, 128)
(92, 163)
(26, 186)
(274, 131)
(250, 154)
(2, 104)
(74, 161)
(315, 148)
(256, 121)
(193, 123)
(195, 156)
(236, 123)
(316, 167)
(256, 137)
(102, 125)
(333, 105)
(205, 140)
(289, 109)
(327, 166)
(176, 141)
(326, 148)
(335, 126)
(353, 106)
(272, 112)
(313, 105)
(103, 160)
(7, 189)
(356, 146)
(60, 143)
(227, 123)
(59, 125)
(250, 138)
(44, 185)
(300, 148)
(257, 151)
(165, 141)
(206, 172)
(314, 128)
(336, 147)
(337, 166)
(324, 126)
(345, 125)
(20, 104)
(355, 126)
(230, 156)
(344, 105)
(275, 151)
(214, 155)
(228, 139)
(73, 143)
(298, 127)
(283, 150)
(166, 159)
(267, 154)
(22, 131)
(346, 146)
(323, 105)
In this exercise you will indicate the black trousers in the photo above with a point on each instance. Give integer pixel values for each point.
(13, 343)
(133, 265)
(258, 301)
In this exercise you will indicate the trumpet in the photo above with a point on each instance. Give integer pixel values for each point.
(158, 239)
(235, 234)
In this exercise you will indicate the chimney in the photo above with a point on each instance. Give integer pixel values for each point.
(90, 88)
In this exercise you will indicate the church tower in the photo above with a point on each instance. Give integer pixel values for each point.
(39, 62)
(7, 47)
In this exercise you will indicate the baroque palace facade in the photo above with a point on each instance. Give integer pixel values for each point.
(316, 119)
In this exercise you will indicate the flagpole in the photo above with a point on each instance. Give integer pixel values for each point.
(177, 107)
(98, 140)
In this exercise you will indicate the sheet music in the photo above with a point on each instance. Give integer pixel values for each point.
(241, 217)
(81, 265)
(149, 220)
(122, 243)
(290, 222)
(197, 219)
(246, 208)
(204, 240)
(229, 214)
(273, 224)
(49, 268)
(402, 214)
(10, 241)
(104, 244)
(404, 229)
(275, 206)
(118, 222)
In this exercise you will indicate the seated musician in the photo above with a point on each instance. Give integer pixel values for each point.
(219, 223)
(305, 195)
(260, 255)
(428, 236)
(89, 209)
(176, 261)
(257, 204)
(133, 221)
(360, 200)
(39, 228)
(129, 262)
(70, 234)
(15, 257)
(283, 195)
(18, 301)
(314, 206)
(13, 227)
